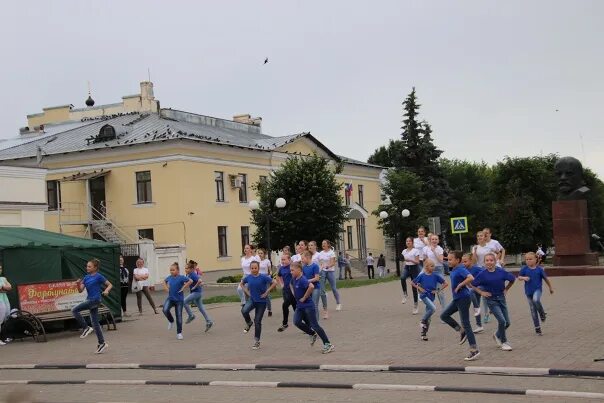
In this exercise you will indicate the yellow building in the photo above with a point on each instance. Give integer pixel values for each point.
(131, 171)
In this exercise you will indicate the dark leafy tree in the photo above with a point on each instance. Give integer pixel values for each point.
(314, 210)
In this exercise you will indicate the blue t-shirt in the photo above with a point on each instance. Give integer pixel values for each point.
(458, 275)
(475, 270)
(93, 283)
(257, 285)
(310, 271)
(286, 275)
(536, 276)
(195, 277)
(175, 283)
(300, 286)
(493, 281)
(428, 282)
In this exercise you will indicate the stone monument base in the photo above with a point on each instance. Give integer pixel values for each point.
(587, 259)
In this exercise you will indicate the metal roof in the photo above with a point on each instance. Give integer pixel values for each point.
(142, 128)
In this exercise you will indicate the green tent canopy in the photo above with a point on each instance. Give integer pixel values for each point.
(31, 255)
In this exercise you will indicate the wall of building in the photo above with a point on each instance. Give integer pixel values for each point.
(22, 197)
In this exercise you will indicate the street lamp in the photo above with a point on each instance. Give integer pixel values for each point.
(384, 215)
(255, 206)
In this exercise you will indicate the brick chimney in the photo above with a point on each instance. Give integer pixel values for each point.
(248, 120)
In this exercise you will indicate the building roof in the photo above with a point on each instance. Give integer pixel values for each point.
(144, 128)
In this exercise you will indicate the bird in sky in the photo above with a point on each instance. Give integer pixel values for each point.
(557, 110)
(266, 60)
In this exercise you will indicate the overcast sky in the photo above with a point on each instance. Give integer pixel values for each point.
(490, 75)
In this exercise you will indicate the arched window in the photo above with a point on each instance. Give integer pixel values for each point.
(107, 133)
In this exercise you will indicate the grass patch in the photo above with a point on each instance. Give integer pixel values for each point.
(222, 299)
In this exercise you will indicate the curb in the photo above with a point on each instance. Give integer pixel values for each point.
(319, 367)
(317, 385)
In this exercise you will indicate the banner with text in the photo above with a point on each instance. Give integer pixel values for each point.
(50, 296)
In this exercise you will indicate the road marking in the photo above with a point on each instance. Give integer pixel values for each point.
(565, 393)
(507, 370)
(359, 368)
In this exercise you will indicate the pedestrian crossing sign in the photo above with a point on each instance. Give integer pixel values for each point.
(459, 225)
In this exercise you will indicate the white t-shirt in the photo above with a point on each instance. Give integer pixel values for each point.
(315, 258)
(480, 252)
(419, 245)
(540, 252)
(141, 272)
(324, 259)
(296, 258)
(245, 264)
(265, 266)
(495, 247)
(429, 254)
(369, 260)
(411, 255)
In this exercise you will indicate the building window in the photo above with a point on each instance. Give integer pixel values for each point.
(262, 179)
(143, 187)
(53, 195)
(243, 188)
(146, 233)
(347, 193)
(222, 242)
(219, 179)
(349, 236)
(245, 237)
(361, 202)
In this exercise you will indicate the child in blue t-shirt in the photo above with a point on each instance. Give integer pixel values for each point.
(312, 272)
(195, 296)
(533, 277)
(474, 270)
(92, 282)
(427, 284)
(175, 284)
(285, 277)
(256, 287)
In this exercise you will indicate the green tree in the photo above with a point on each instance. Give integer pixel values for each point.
(524, 189)
(314, 210)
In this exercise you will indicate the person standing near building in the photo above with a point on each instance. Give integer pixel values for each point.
(327, 264)
(341, 266)
(5, 287)
(124, 285)
(140, 285)
(347, 268)
(248, 257)
(93, 281)
(381, 265)
(175, 285)
(257, 287)
(460, 280)
(370, 269)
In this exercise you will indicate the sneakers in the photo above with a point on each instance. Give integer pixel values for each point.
(170, 325)
(538, 331)
(86, 332)
(2, 343)
(476, 311)
(101, 348)
(325, 314)
(487, 318)
(404, 301)
(190, 319)
(424, 337)
(472, 356)
(256, 345)
(339, 307)
(327, 348)
(282, 328)
(543, 317)
(313, 339)
(506, 347)
(463, 337)
(247, 327)
(479, 329)
(270, 313)
(179, 336)
(415, 309)
(497, 341)
(209, 325)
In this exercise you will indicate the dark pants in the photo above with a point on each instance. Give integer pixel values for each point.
(476, 297)
(461, 305)
(139, 298)
(124, 294)
(178, 305)
(499, 308)
(305, 319)
(370, 272)
(410, 271)
(259, 308)
(288, 300)
(93, 307)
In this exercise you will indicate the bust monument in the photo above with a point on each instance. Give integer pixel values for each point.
(569, 172)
